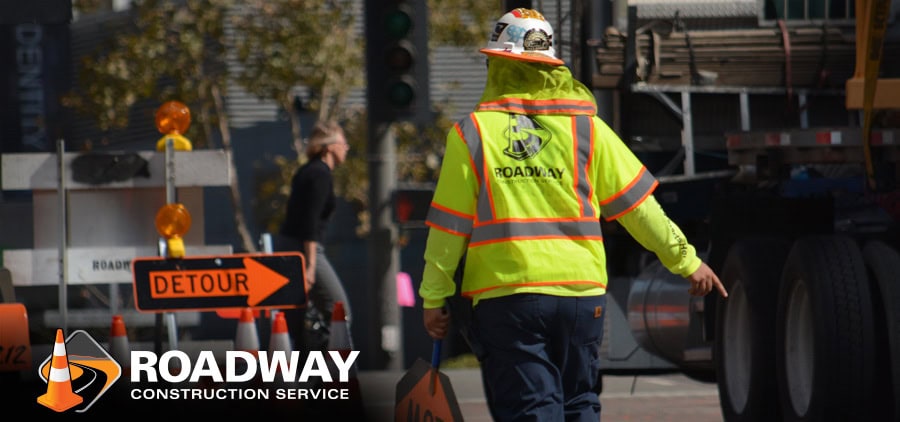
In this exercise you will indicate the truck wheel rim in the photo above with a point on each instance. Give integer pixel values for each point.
(738, 365)
(799, 347)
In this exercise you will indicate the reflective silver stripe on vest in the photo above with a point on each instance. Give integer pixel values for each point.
(472, 136)
(542, 229)
(643, 186)
(584, 130)
(451, 222)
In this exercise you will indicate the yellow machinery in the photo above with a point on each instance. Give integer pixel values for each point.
(866, 90)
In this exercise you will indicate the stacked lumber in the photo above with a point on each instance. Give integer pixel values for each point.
(818, 57)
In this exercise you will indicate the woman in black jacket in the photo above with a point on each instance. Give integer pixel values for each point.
(309, 209)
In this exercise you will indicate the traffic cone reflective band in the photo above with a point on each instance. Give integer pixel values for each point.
(246, 339)
(280, 339)
(60, 396)
(118, 342)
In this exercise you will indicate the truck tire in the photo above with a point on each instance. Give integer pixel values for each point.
(884, 265)
(825, 340)
(744, 348)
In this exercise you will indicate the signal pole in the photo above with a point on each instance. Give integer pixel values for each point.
(396, 90)
(382, 162)
(380, 150)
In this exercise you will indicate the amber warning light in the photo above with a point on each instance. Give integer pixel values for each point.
(173, 119)
(172, 222)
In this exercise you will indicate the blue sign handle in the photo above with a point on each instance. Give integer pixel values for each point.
(436, 354)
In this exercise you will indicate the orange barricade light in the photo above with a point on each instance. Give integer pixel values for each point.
(173, 116)
(172, 222)
(173, 119)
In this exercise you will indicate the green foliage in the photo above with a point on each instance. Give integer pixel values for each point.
(179, 50)
(462, 23)
(289, 43)
(171, 50)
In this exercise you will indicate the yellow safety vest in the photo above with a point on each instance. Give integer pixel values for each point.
(522, 187)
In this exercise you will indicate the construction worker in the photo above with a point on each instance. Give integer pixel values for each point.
(524, 181)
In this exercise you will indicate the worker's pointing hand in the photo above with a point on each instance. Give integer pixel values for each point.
(437, 321)
(704, 280)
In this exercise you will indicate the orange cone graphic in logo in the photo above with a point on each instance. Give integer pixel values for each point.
(280, 339)
(118, 342)
(60, 396)
(247, 339)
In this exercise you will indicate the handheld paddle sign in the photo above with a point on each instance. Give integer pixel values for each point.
(425, 394)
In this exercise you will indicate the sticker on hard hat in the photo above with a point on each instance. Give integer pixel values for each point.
(536, 40)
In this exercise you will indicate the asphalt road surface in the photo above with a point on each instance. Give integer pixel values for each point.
(657, 398)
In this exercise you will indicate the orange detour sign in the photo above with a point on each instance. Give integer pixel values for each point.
(209, 283)
(425, 394)
(15, 345)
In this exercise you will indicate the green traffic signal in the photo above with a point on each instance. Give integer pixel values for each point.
(401, 93)
(398, 23)
(398, 62)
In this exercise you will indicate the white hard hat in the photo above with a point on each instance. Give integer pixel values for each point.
(523, 34)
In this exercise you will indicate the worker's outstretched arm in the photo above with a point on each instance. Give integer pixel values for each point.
(649, 225)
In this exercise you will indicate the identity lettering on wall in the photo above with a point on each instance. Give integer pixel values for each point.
(32, 87)
(29, 69)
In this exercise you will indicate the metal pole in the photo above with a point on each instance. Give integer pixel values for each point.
(687, 133)
(383, 249)
(170, 171)
(745, 110)
(801, 104)
(63, 234)
(171, 199)
(266, 246)
(167, 318)
(265, 243)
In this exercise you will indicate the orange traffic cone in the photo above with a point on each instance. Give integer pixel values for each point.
(339, 340)
(118, 342)
(339, 334)
(247, 339)
(280, 339)
(60, 396)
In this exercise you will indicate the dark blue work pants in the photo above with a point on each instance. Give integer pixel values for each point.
(540, 356)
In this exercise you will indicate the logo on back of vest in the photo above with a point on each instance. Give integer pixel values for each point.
(526, 138)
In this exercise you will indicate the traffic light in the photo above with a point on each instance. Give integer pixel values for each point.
(397, 56)
(411, 204)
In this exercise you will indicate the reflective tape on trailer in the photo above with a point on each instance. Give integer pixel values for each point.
(808, 138)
